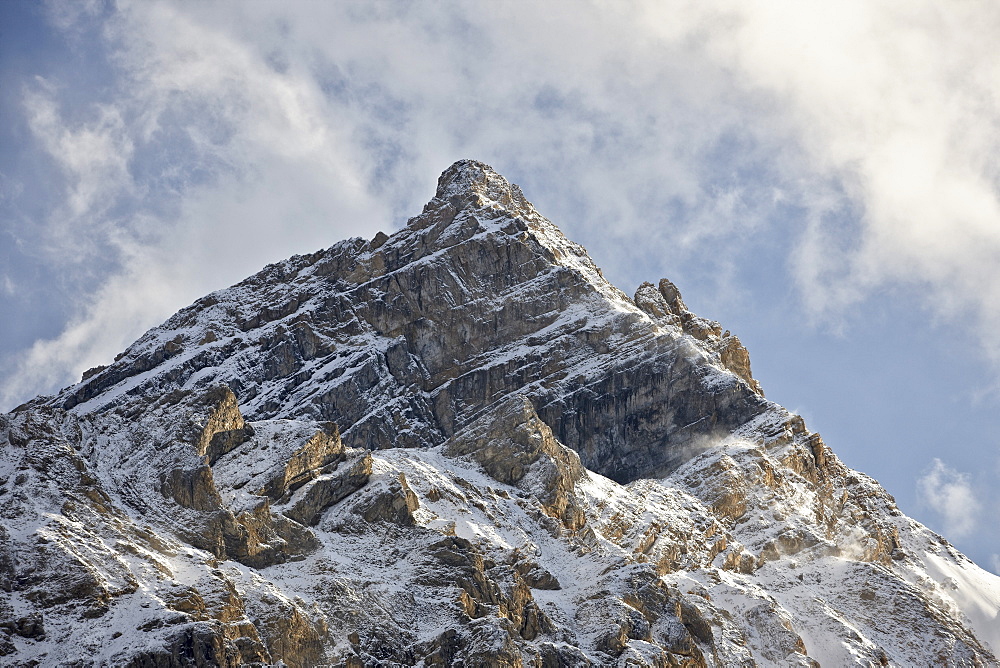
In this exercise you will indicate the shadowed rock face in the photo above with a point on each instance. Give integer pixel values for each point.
(387, 453)
(405, 340)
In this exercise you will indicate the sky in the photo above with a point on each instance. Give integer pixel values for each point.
(822, 178)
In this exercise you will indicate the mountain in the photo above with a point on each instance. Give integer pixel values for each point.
(458, 445)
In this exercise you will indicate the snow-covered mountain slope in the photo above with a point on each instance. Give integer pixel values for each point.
(455, 445)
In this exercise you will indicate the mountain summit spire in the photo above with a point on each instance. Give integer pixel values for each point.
(467, 181)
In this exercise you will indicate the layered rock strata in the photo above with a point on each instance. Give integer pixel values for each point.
(455, 445)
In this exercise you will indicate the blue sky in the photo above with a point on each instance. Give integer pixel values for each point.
(822, 178)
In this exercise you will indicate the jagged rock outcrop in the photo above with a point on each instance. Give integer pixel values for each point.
(224, 429)
(514, 446)
(666, 307)
(330, 489)
(455, 445)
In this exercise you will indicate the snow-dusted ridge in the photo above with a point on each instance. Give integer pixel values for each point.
(455, 445)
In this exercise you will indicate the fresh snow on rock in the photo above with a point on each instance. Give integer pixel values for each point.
(456, 445)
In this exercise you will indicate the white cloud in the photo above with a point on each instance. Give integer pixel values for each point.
(114, 316)
(234, 138)
(897, 107)
(263, 172)
(94, 158)
(950, 495)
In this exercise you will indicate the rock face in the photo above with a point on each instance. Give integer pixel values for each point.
(455, 445)
(514, 446)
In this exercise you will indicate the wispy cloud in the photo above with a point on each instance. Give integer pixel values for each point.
(94, 156)
(950, 495)
(897, 118)
(859, 139)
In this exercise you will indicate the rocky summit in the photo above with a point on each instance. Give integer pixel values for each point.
(458, 445)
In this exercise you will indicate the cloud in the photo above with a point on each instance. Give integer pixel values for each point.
(859, 140)
(93, 157)
(205, 166)
(894, 108)
(950, 495)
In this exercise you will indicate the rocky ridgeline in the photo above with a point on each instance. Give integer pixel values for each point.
(455, 445)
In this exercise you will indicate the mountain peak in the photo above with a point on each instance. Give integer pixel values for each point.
(472, 181)
(467, 412)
